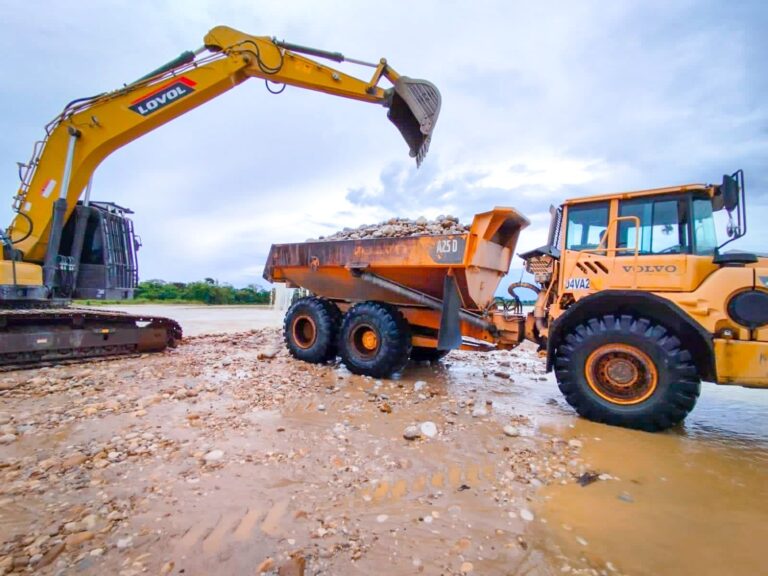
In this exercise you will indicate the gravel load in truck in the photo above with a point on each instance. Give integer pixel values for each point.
(401, 228)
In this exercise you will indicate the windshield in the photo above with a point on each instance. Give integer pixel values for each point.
(705, 238)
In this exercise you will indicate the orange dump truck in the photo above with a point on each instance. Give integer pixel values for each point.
(637, 303)
(378, 302)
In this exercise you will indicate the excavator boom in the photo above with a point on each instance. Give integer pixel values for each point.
(90, 129)
(57, 248)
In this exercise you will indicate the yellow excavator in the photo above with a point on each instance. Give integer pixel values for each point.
(58, 247)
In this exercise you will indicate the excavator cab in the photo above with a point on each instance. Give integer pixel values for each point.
(413, 108)
(97, 256)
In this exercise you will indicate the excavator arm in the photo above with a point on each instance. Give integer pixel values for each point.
(90, 129)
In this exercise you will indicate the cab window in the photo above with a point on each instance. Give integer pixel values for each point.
(587, 224)
(705, 239)
(663, 226)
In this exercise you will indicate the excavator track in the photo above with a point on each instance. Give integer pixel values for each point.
(35, 337)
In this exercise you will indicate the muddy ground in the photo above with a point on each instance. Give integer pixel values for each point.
(226, 456)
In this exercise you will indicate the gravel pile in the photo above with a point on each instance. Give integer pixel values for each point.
(401, 228)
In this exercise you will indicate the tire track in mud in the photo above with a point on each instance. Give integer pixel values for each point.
(251, 522)
(237, 527)
(392, 489)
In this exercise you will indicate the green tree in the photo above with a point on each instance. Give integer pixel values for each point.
(207, 291)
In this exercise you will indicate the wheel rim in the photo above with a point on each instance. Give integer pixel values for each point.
(304, 332)
(364, 340)
(621, 374)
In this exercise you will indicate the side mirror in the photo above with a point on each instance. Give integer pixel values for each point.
(729, 191)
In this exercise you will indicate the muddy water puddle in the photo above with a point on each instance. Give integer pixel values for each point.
(692, 500)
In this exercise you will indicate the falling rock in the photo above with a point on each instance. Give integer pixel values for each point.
(419, 385)
(124, 543)
(412, 433)
(428, 429)
(526, 515)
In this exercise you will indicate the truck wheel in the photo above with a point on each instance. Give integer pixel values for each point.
(628, 372)
(310, 329)
(375, 340)
(423, 354)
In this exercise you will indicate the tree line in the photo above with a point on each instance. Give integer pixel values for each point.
(207, 291)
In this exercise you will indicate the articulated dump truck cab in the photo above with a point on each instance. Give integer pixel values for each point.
(638, 302)
(380, 301)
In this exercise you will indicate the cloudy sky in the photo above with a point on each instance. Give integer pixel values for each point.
(541, 101)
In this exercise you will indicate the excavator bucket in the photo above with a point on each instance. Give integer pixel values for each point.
(414, 109)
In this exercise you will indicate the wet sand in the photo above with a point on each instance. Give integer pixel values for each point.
(227, 456)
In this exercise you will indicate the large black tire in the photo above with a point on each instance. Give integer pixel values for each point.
(627, 371)
(422, 354)
(375, 340)
(311, 329)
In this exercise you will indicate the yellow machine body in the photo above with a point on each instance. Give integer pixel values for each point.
(692, 278)
(58, 248)
(88, 131)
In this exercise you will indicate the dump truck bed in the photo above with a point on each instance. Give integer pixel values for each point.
(477, 260)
